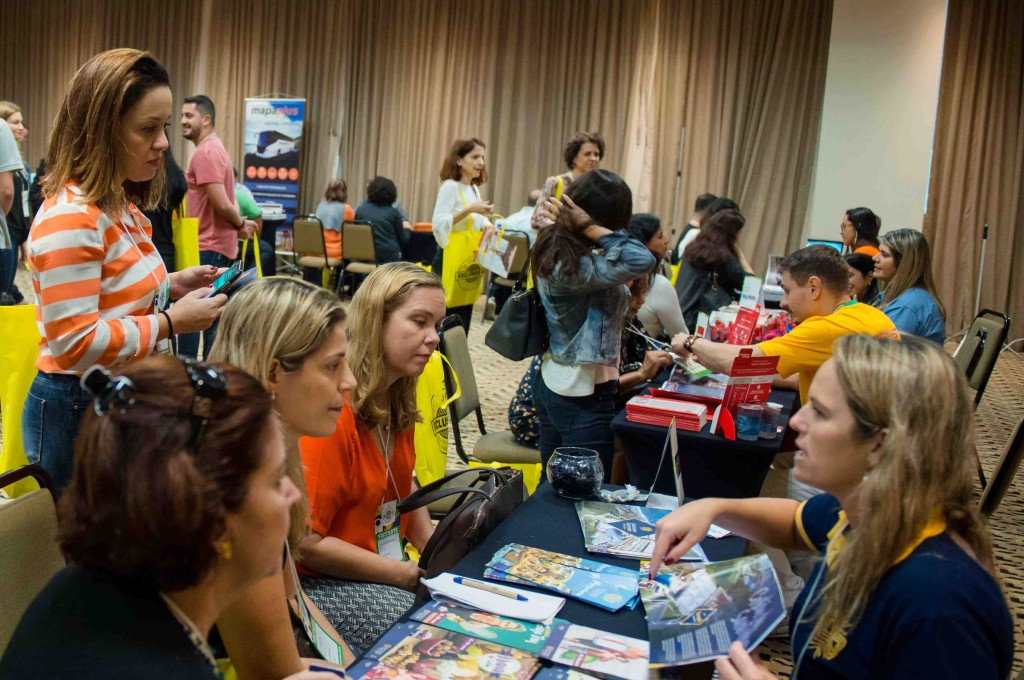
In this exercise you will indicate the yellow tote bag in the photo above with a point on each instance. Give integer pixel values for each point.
(256, 254)
(431, 435)
(18, 354)
(185, 234)
(461, 275)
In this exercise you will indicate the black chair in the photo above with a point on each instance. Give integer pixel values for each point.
(496, 447)
(978, 353)
(1006, 470)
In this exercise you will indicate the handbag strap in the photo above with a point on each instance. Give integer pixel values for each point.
(521, 279)
(418, 499)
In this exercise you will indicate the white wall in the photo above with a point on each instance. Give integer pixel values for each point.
(878, 119)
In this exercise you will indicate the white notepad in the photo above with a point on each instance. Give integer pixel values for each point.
(536, 607)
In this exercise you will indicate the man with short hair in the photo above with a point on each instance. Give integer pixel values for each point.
(815, 285)
(211, 191)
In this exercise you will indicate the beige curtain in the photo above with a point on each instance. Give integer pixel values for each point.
(390, 84)
(978, 162)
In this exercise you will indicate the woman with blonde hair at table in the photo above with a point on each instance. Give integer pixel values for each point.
(903, 265)
(290, 335)
(353, 562)
(906, 586)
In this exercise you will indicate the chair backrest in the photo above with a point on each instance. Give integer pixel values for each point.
(521, 243)
(1005, 471)
(30, 555)
(455, 346)
(357, 241)
(978, 352)
(308, 236)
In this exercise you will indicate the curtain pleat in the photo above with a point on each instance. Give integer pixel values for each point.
(977, 175)
(389, 84)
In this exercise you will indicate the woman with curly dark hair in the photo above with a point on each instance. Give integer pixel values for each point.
(711, 269)
(582, 153)
(162, 533)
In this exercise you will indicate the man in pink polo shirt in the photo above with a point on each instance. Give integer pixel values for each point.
(211, 191)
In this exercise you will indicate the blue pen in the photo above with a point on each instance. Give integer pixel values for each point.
(504, 592)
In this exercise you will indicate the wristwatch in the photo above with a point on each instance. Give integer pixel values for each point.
(688, 343)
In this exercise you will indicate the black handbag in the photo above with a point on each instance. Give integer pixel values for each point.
(485, 497)
(520, 330)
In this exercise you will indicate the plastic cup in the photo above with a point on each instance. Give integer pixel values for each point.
(748, 421)
(771, 416)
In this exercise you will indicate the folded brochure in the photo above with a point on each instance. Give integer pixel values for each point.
(528, 636)
(597, 652)
(601, 585)
(534, 607)
(624, 530)
(694, 612)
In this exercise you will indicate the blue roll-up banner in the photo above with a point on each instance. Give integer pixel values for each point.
(273, 145)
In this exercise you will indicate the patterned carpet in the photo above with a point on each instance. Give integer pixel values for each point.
(1001, 408)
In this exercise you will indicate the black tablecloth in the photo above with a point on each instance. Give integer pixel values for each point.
(711, 464)
(547, 521)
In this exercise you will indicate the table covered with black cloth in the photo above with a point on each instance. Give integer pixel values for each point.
(711, 465)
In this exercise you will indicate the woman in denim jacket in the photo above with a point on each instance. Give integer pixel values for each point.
(581, 266)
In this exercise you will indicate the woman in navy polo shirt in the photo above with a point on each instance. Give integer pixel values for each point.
(905, 588)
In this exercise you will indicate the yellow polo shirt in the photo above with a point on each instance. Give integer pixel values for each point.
(805, 348)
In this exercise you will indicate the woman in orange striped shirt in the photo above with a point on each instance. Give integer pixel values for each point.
(100, 284)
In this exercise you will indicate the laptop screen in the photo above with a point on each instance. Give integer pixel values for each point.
(838, 245)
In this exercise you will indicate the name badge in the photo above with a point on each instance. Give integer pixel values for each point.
(387, 531)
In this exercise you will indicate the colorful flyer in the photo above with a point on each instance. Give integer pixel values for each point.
(597, 652)
(524, 635)
(421, 652)
(624, 530)
(694, 612)
(601, 585)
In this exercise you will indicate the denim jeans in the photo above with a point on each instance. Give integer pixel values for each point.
(188, 343)
(8, 267)
(49, 424)
(576, 421)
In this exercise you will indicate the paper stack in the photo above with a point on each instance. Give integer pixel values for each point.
(655, 411)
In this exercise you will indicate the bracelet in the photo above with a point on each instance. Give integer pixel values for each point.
(688, 343)
(170, 326)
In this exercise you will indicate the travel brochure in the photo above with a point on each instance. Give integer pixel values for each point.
(602, 654)
(624, 530)
(601, 585)
(694, 612)
(525, 635)
(412, 651)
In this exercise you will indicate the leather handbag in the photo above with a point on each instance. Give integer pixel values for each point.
(520, 330)
(482, 499)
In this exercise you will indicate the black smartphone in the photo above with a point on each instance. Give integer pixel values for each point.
(241, 281)
(225, 279)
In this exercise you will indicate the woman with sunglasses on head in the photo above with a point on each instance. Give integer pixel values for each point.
(353, 561)
(906, 586)
(101, 287)
(290, 335)
(904, 265)
(162, 533)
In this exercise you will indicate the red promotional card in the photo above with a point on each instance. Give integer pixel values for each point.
(750, 380)
(742, 330)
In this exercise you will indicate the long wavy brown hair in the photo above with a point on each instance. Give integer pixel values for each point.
(383, 291)
(87, 133)
(913, 258)
(912, 390)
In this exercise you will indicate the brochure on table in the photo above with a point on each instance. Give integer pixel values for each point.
(750, 380)
(414, 650)
(624, 530)
(534, 607)
(602, 654)
(528, 636)
(742, 330)
(596, 583)
(694, 612)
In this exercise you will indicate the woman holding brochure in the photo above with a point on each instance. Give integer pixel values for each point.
(906, 587)
(459, 212)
